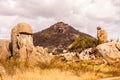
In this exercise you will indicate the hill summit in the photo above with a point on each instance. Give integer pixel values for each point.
(57, 36)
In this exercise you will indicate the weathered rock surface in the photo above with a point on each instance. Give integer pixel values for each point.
(69, 56)
(21, 36)
(4, 49)
(39, 55)
(23, 48)
(86, 54)
(101, 35)
(110, 51)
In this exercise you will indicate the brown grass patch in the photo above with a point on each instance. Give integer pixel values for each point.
(57, 70)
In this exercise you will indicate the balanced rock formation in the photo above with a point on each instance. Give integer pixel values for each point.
(101, 35)
(22, 45)
(110, 51)
(21, 36)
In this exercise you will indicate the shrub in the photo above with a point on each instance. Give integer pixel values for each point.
(83, 43)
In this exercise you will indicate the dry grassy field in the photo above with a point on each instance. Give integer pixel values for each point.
(57, 70)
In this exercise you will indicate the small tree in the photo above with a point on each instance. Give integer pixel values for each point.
(83, 43)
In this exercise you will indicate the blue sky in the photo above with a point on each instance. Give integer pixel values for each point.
(84, 15)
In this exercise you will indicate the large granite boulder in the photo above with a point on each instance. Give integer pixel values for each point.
(39, 55)
(21, 35)
(110, 51)
(23, 48)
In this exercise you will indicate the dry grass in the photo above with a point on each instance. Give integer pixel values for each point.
(49, 74)
(83, 70)
(37, 74)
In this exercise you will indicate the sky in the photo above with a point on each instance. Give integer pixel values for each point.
(83, 15)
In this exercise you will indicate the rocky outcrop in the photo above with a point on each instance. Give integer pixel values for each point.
(4, 49)
(39, 55)
(21, 36)
(110, 52)
(101, 35)
(86, 54)
(69, 57)
(23, 48)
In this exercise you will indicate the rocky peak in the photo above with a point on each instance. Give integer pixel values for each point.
(60, 27)
(59, 34)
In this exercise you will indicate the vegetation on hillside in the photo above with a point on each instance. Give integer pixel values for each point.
(82, 43)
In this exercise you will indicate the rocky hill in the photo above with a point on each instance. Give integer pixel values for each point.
(58, 36)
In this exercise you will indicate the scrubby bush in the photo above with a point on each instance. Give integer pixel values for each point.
(83, 43)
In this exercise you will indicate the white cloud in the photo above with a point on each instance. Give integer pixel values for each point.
(84, 15)
(8, 22)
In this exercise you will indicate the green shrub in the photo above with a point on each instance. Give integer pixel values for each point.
(83, 43)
